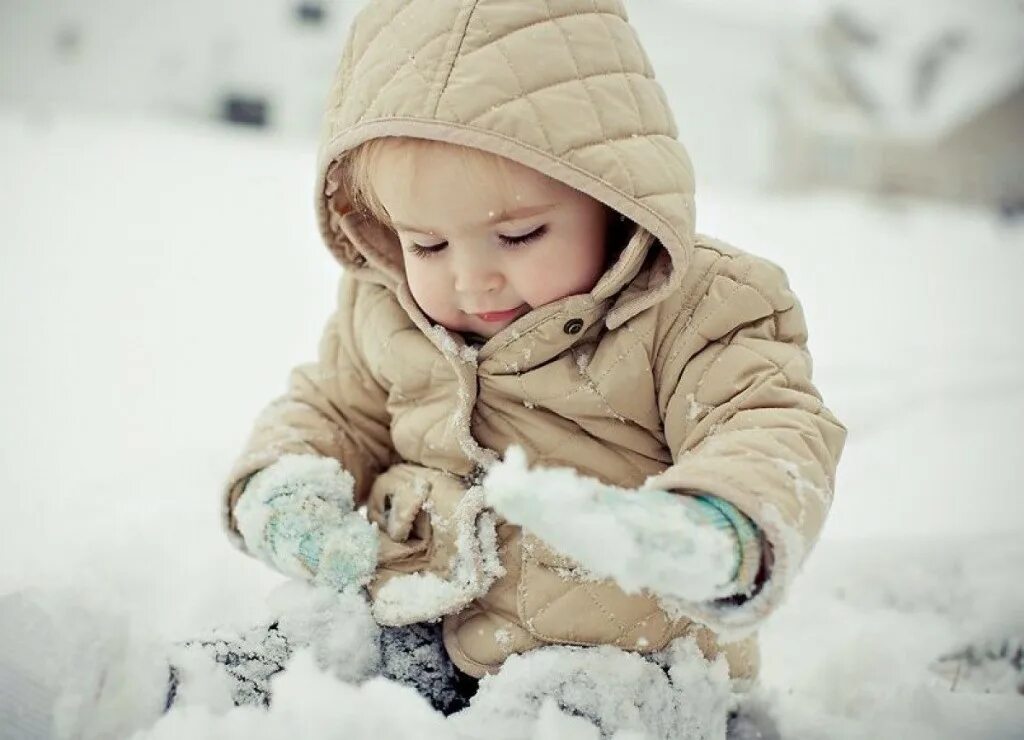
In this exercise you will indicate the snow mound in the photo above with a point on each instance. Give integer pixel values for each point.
(616, 693)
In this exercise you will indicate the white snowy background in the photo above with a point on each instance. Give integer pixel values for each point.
(158, 280)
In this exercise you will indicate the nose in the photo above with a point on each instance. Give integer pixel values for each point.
(476, 273)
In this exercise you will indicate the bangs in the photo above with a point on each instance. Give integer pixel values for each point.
(361, 163)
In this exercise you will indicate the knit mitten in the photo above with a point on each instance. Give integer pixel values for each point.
(298, 516)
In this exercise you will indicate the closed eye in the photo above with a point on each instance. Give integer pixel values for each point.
(510, 242)
(516, 241)
(423, 250)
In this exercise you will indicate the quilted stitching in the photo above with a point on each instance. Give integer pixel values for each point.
(410, 61)
(391, 17)
(596, 109)
(522, 91)
(620, 627)
(533, 24)
(550, 86)
(622, 69)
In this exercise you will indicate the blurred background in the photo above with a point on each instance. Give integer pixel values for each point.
(161, 272)
(877, 96)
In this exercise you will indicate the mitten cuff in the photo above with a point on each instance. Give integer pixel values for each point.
(722, 515)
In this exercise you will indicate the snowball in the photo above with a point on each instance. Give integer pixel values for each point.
(640, 541)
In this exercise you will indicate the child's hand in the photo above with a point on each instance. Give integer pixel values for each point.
(643, 539)
(297, 515)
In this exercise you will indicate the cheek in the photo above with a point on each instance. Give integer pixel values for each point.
(424, 282)
(562, 270)
(429, 286)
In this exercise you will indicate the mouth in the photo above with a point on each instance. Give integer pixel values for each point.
(496, 316)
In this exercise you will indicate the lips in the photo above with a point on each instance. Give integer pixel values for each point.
(494, 316)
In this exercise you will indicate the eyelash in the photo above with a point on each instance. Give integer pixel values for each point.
(510, 242)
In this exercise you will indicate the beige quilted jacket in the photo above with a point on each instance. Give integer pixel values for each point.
(685, 367)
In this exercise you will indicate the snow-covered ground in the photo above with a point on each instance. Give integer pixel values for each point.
(157, 283)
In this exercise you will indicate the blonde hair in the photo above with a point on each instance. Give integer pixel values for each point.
(360, 164)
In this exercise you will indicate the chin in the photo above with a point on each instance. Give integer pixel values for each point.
(485, 330)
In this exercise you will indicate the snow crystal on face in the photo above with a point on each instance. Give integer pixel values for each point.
(614, 533)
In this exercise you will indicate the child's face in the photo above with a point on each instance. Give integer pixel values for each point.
(484, 244)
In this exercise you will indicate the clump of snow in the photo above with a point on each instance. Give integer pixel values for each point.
(641, 539)
(503, 637)
(338, 625)
(415, 597)
(304, 475)
(310, 703)
(682, 697)
(583, 357)
(459, 418)
(423, 596)
(73, 671)
(448, 345)
(696, 409)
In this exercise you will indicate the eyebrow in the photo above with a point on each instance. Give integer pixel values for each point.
(498, 218)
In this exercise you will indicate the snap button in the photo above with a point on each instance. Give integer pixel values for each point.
(573, 326)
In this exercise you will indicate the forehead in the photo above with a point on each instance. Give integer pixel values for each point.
(441, 183)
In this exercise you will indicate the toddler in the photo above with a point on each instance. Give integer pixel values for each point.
(502, 184)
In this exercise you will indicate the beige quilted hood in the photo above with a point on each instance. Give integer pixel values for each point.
(562, 86)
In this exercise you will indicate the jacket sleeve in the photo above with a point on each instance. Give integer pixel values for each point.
(745, 423)
(333, 407)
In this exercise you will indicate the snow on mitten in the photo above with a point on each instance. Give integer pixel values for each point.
(675, 545)
(298, 516)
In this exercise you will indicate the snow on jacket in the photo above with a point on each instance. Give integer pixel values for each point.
(685, 367)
